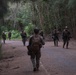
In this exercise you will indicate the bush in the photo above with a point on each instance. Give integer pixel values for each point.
(29, 29)
(15, 34)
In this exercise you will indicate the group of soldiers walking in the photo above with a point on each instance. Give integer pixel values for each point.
(36, 41)
(4, 36)
(66, 35)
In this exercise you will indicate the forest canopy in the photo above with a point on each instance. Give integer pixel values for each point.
(45, 14)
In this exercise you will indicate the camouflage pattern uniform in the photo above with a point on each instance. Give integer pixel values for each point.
(66, 37)
(36, 54)
(55, 37)
(3, 37)
(23, 35)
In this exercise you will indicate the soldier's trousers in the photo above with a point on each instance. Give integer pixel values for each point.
(4, 41)
(24, 41)
(65, 42)
(55, 42)
(35, 58)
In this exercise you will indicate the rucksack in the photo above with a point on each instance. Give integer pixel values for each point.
(36, 44)
(66, 34)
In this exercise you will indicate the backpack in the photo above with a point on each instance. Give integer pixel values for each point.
(65, 34)
(36, 44)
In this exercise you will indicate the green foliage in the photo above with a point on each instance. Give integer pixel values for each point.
(15, 1)
(3, 28)
(3, 8)
(45, 0)
(29, 29)
(24, 14)
(44, 13)
(18, 12)
(72, 4)
(15, 34)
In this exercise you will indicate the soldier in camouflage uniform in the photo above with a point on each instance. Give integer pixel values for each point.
(35, 49)
(66, 37)
(24, 36)
(4, 37)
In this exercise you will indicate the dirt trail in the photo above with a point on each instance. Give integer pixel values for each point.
(16, 61)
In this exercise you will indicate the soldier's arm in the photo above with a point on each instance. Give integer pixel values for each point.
(70, 35)
(30, 41)
(42, 41)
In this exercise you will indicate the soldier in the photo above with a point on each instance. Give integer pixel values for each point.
(9, 35)
(4, 37)
(24, 36)
(35, 44)
(55, 37)
(66, 37)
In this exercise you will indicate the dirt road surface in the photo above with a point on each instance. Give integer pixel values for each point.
(54, 60)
